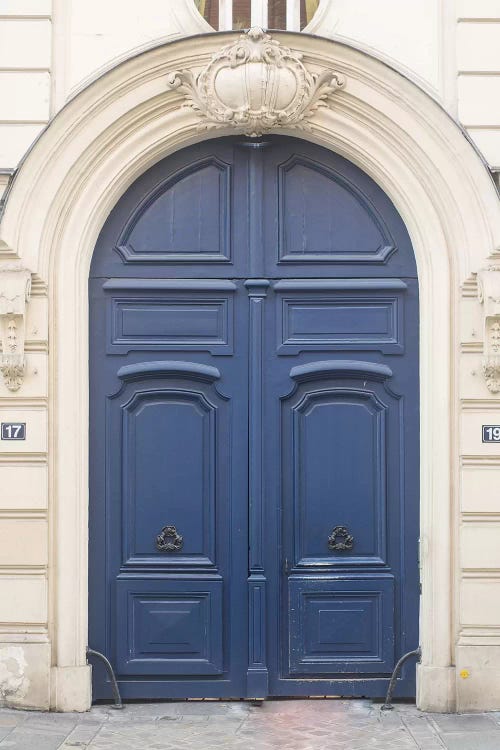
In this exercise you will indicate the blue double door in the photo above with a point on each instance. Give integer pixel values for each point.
(253, 429)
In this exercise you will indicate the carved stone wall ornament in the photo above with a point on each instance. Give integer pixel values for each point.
(15, 290)
(255, 84)
(488, 280)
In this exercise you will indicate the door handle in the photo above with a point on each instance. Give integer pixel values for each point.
(340, 539)
(168, 540)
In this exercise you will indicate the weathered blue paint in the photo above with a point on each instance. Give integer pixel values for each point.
(254, 384)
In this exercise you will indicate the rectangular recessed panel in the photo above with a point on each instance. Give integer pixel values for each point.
(322, 323)
(335, 444)
(171, 450)
(173, 627)
(172, 324)
(341, 625)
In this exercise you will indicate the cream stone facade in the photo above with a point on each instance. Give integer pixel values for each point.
(85, 109)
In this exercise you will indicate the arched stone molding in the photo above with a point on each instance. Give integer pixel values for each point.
(124, 122)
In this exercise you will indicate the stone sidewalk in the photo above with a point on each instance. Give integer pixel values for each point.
(281, 724)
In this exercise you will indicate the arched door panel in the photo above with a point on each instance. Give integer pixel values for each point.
(325, 217)
(254, 429)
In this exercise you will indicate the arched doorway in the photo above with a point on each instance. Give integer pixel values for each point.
(254, 428)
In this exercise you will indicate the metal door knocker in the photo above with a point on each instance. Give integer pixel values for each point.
(340, 539)
(169, 540)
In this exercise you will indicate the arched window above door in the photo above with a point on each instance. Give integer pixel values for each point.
(223, 15)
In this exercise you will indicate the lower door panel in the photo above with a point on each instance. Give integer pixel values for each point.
(173, 627)
(341, 625)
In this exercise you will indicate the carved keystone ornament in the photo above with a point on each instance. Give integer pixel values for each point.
(488, 280)
(15, 290)
(255, 84)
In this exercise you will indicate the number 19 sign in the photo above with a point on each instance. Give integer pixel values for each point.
(491, 433)
(13, 431)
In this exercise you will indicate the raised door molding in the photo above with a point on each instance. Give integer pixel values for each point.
(340, 368)
(15, 291)
(168, 368)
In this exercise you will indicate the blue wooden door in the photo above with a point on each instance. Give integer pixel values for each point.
(254, 428)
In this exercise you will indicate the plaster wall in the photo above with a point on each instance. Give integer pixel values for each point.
(25, 75)
(48, 51)
(51, 48)
(478, 74)
(477, 654)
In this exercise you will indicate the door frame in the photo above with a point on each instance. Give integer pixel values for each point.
(125, 121)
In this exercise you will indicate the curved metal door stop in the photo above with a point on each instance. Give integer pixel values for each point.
(109, 669)
(392, 684)
(387, 706)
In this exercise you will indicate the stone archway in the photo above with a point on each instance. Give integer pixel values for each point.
(127, 120)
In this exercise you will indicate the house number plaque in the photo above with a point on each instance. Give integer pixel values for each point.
(13, 430)
(491, 433)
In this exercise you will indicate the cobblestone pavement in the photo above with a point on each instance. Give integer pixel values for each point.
(284, 724)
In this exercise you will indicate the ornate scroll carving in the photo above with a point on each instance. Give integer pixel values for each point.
(15, 290)
(255, 84)
(489, 294)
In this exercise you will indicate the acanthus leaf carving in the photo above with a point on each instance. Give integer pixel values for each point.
(12, 367)
(489, 295)
(15, 291)
(255, 84)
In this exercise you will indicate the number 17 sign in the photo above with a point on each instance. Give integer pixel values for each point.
(491, 433)
(13, 431)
